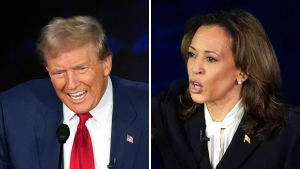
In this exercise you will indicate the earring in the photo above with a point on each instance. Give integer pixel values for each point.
(239, 82)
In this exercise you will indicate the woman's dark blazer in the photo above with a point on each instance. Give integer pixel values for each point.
(178, 143)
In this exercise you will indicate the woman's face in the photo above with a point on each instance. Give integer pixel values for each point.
(211, 68)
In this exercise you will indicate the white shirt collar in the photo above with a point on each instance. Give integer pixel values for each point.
(237, 112)
(220, 139)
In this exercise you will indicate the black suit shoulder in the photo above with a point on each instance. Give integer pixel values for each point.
(170, 97)
(169, 137)
(292, 134)
(166, 100)
(293, 118)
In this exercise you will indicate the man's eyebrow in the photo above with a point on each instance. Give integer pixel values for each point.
(79, 66)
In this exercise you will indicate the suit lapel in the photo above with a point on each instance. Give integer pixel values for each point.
(192, 128)
(123, 115)
(47, 142)
(122, 149)
(49, 117)
(238, 150)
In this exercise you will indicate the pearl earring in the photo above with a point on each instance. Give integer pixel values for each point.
(239, 82)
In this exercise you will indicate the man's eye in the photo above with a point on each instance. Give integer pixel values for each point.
(82, 69)
(58, 74)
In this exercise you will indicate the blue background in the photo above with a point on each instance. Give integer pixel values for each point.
(280, 18)
(126, 24)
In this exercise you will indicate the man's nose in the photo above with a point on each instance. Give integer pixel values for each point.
(72, 81)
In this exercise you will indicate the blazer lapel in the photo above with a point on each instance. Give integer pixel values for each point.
(125, 138)
(238, 150)
(193, 126)
(49, 117)
(47, 142)
(124, 143)
(235, 155)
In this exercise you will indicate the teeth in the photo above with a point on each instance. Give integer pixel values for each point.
(78, 95)
(196, 85)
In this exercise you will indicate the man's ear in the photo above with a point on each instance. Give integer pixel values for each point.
(107, 62)
(48, 71)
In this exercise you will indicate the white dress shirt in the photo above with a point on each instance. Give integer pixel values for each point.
(221, 133)
(99, 128)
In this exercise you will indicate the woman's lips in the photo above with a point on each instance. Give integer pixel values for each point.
(195, 87)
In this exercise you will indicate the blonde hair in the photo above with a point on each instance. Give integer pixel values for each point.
(62, 34)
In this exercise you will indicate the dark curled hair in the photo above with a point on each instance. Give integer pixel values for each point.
(255, 56)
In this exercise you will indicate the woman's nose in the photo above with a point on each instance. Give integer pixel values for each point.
(198, 66)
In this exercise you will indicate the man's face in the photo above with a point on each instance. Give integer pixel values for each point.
(79, 77)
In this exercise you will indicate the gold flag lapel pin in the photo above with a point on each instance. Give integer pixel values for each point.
(247, 138)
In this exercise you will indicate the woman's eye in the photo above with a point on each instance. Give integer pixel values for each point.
(211, 59)
(191, 55)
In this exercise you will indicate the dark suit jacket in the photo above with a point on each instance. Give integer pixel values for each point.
(31, 113)
(178, 145)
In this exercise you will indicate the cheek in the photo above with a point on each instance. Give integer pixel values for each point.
(189, 66)
(221, 82)
(220, 78)
(93, 81)
(58, 84)
(218, 81)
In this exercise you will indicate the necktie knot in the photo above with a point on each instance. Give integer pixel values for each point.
(83, 118)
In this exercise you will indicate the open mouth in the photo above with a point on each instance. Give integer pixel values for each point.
(78, 95)
(197, 85)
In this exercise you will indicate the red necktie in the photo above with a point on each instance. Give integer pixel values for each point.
(82, 156)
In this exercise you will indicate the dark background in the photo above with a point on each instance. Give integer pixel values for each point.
(126, 24)
(280, 18)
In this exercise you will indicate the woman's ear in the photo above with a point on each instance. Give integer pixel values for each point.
(242, 77)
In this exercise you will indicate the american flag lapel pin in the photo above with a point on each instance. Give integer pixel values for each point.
(129, 138)
(247, 138)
